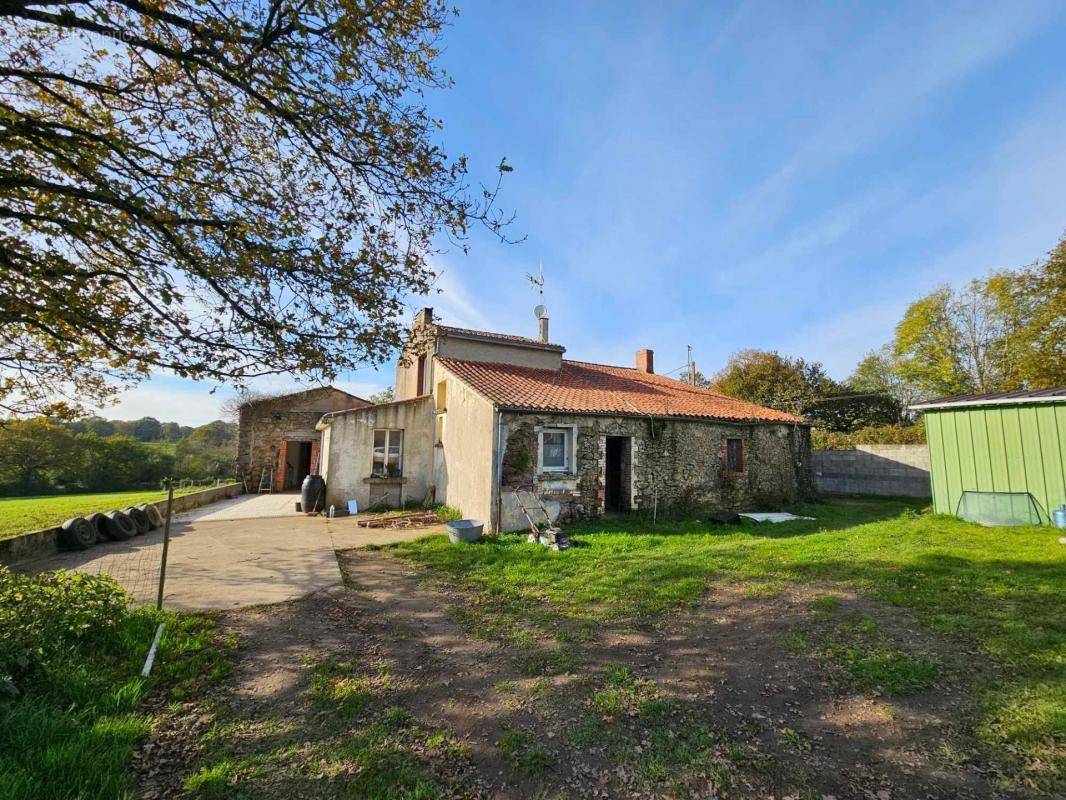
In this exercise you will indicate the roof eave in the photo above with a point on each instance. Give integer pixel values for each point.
(1001, 401)
(329, 415)
(554, 348)
(637, 415)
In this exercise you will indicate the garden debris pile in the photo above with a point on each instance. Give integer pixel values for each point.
(415, 519)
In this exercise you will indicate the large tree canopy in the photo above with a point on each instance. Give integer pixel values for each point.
(1000, 333)
(876, 375)
(220, 189)
(803, 387)
(773, 380)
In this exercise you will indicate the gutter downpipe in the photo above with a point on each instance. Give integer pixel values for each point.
(499, 470)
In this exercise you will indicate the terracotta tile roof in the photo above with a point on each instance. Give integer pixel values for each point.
(507, 338)
(582, 388)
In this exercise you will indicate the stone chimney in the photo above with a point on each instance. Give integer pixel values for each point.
(646, 361)
(543, 329)
(424, 317)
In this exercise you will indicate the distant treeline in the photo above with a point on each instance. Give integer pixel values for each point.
(145, 429)
(44, 456)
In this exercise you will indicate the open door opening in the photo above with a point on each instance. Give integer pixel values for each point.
(617, 475)
(298, 464)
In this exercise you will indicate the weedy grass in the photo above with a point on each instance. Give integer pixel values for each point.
(343, 688)
(386, 756)
(1003, 590)
(347, 735)
(523, 753)
(623, 694)
(71, 695)
(870, 660)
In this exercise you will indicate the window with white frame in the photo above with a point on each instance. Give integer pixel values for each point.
(388, 454)
(556, 449)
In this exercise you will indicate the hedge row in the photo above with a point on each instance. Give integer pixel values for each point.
(881, 434)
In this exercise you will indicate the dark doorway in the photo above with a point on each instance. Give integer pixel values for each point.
(299, 464)
(616, 475)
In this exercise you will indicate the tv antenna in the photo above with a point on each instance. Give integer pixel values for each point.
(537, 282)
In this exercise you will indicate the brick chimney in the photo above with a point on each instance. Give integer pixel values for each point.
(543, 329)
(646, 361)
(424, 317)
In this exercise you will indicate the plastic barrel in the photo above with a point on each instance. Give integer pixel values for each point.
(312, 493)
(1058, 517)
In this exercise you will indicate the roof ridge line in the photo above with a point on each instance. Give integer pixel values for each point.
(515, 338)
(681, 384)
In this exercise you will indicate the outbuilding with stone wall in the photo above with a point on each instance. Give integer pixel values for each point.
(279, 433)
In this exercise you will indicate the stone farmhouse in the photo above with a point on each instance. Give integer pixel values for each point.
(478, 415)
(279, 433)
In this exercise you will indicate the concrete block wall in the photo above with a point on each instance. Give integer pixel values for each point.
(897, 470)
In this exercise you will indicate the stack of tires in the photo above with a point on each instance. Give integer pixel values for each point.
(81, 533)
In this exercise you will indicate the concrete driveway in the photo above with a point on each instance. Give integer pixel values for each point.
(246, 506)
(218, 562)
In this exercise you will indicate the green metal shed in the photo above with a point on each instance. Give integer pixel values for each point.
(998, 458)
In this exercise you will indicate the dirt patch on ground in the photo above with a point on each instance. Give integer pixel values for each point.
(755, 693)
(761, 668)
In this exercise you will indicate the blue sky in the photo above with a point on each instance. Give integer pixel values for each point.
(727, 175)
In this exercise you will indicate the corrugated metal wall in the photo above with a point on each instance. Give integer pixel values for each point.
(998, 449)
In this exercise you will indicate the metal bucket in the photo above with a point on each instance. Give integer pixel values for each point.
(465, 530)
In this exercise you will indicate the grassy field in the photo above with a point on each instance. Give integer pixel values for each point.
(1001, 591)
(22, 514)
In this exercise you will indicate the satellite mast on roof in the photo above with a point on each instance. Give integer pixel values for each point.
(537, 282)
(540, 311)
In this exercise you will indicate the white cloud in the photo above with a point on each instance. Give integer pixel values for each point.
(190, 405)
(921, 63)
(453, 304)
(840, 340)
(1012, 205)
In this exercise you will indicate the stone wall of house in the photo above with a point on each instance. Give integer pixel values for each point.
(675, 465)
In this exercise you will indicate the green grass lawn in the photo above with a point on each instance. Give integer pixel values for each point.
(22, 514)
(1003, 590)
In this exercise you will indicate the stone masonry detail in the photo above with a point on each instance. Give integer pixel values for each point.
(674, 465)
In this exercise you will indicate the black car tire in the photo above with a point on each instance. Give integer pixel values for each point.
(78, 534)
(154, 516)
(121, 527)
(140, 519)
(100, 523)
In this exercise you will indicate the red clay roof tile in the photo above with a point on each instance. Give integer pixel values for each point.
(583, 388)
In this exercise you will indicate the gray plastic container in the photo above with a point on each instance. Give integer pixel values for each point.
(465, 530)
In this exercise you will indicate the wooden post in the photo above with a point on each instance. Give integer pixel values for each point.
(166, 545)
